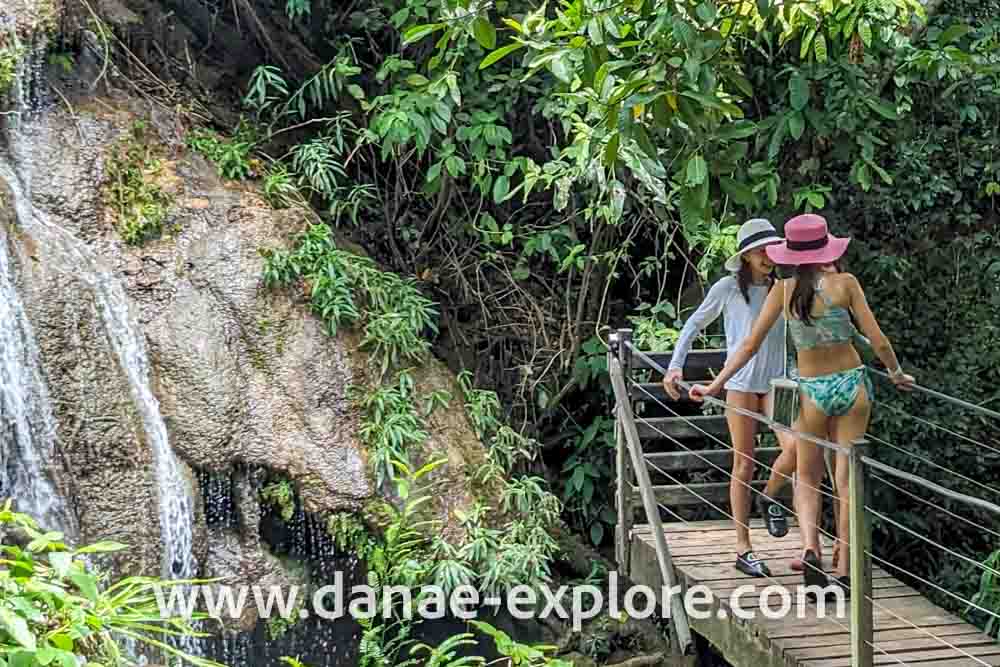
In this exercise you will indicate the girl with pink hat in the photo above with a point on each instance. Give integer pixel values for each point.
(738, 298)
(836, 392)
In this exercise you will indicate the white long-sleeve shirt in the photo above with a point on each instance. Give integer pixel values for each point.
(725, 297)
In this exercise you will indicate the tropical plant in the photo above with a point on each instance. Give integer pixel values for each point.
(56, 608)
(516, 654)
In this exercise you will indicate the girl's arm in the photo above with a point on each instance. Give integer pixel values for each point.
(870, 328)
(706, 313)
(768, 316)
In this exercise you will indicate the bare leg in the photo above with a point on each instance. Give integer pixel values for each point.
(784, 465)
(835, 483)
(742, 431)
(850, 427)
(810, 469)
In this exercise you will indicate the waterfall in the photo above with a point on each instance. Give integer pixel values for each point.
(176, 506)
(28, 436)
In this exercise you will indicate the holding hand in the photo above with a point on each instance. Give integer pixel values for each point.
(902, 381)
(700, 391)
(670, 382)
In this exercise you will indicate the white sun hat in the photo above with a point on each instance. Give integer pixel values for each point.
(753, 234)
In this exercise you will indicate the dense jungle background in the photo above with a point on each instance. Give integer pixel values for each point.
(503, 182)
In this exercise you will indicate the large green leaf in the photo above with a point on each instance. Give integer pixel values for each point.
(484, 33)
(953, 33)
(796, 124)
(418, 32)
(798, 91)
(17, 628)
(882, 109)
(499, 54)
(737, 130)
(697, 170)
(740, 193)
(87, 585)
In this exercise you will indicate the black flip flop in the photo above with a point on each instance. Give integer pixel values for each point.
(813, 574)
(774, 517)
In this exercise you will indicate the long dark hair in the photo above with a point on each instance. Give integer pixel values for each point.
(806, 277)
(744, 278)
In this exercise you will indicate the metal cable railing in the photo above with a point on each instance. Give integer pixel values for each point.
(923, 500)
(730, 516)
(938, 427)
(862, 465)
(945, 397)
(933, 464)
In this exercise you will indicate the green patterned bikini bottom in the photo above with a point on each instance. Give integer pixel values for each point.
(836, 393)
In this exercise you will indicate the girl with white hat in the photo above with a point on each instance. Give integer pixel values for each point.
(739, 298)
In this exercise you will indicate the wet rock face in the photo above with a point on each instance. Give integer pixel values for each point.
(243, 374)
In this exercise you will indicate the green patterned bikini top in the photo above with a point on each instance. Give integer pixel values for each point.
(833, 327)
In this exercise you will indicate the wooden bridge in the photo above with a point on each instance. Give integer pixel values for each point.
(884, 622)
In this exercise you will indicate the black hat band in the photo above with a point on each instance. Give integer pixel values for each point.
(753, 238)
(814, 244)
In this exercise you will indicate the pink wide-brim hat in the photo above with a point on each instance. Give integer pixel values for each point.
(807, 241)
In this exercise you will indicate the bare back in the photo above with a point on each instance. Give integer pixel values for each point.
(837, 293)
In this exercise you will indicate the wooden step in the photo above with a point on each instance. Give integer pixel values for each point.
(697, 366)
(716, 493)
(703, 459)
(683, 428)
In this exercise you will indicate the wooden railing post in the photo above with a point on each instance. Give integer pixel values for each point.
(681, 637)
(623, 496)
(862, 623)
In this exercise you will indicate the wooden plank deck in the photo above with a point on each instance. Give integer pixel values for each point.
(703, 553)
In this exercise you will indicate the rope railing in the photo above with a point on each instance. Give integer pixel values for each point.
(862, 467)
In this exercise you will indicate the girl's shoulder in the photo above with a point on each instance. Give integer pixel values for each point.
(726, 283)
(722, 290)
(842, 281)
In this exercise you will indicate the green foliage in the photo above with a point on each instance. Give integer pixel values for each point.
(56, 609)
(550, 168)
(391, 309)
(391, 425)
(281, 495)
(278, 626)
(139, 202)
(350, 534)
(587, 479)
(988, 595)
(400, 558)
(10, 55)
(445, 654)
(231, 156)
(516, 654)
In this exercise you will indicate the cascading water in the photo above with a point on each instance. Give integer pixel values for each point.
(28, 436)
(175, 492)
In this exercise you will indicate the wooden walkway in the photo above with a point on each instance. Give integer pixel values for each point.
(703, 553)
